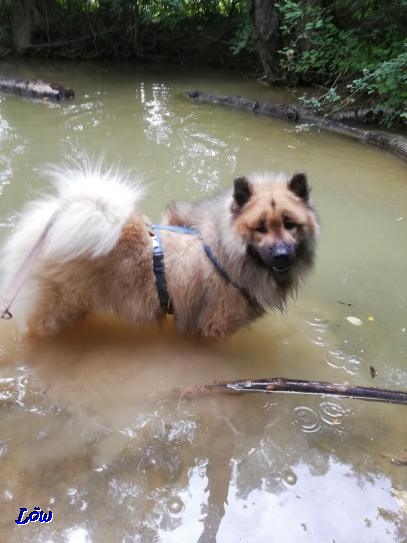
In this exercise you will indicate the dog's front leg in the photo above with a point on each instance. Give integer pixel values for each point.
(222, 321)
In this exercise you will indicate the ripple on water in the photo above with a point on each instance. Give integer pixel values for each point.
(290, 477)
(347, 361)
(332, 413)
(329, 414)
(318, 328)
(307, 419)
(175, 506)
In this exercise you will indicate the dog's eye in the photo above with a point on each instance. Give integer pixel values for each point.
(289, 224)
(261, 228)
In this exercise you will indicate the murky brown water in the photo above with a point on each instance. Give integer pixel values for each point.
(90, 427)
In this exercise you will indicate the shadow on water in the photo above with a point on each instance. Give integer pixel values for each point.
(91, 426)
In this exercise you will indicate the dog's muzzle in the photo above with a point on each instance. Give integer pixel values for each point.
(278, 257)
(282, 257)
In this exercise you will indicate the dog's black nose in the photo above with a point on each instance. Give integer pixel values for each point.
(282, 256)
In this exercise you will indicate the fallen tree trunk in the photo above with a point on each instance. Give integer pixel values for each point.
(36, 89)
(364, 115)
(280, 384)
(393, 142)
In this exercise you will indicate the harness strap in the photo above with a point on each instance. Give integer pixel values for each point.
(158, 262)
(179, 229)
(159, 268)
(159, 271)
(225, 275)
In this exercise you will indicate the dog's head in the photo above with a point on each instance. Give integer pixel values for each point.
(277, 221)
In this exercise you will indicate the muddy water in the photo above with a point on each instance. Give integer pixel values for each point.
(90, 426)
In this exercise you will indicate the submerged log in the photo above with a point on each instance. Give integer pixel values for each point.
(393, 142)
(281, 384)
(36, 89)
(364, 115)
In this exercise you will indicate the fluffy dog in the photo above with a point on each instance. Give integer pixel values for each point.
(248, 249)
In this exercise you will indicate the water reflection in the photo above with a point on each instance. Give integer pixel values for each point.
(157, 117)
(316, 509)
(95, 432)
(203, 149)
(198, 155)
(7, 137)
(77, 535)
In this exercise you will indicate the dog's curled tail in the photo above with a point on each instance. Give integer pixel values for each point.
(89, 210)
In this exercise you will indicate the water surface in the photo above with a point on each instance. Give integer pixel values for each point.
(90, 425)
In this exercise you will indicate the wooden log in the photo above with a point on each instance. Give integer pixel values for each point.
(281, 384)
(36, 89)
(392, 142)
(365, 116)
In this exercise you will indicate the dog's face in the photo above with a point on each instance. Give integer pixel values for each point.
(277, 221)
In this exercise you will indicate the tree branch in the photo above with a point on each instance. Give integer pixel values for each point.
(281, 384)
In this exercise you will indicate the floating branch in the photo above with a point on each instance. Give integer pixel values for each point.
(393, 142)
(36, 89)
(280, 384)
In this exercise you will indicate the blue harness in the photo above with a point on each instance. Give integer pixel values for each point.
(159, 268)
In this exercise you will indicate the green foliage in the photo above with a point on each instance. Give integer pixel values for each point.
(388, 83)
(357, 49)
(316, 43)
(5, 23)
(243, 37)
(211, 30)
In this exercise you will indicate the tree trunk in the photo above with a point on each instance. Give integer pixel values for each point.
(36, 89)
(135, 30)
(22, 24)
(393, 142)
(266, 23)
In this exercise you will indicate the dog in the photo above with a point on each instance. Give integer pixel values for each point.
(217, 264)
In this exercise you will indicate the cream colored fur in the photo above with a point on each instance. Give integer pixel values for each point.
(91, 207)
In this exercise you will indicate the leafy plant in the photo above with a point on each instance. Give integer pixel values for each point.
(363, 61)
(386, 83)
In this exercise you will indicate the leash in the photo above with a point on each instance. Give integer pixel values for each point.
(9, 294)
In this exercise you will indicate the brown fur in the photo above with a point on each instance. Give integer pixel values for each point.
(122, 282)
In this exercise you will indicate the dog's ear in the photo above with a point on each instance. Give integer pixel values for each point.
(298, 184)
(242, 191)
